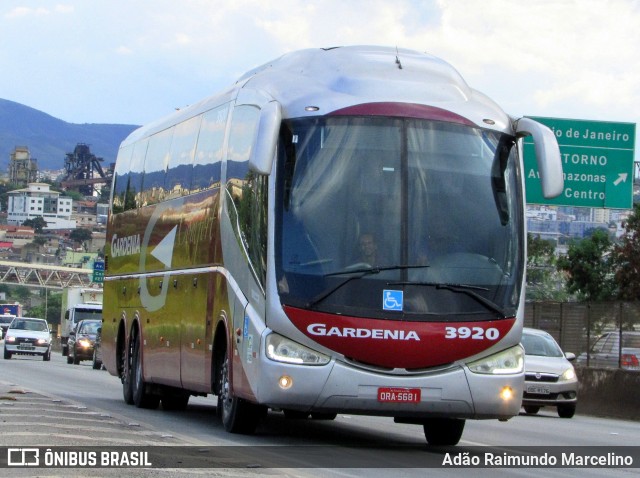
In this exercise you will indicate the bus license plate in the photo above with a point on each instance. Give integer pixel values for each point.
(538, 390)
(398, 395)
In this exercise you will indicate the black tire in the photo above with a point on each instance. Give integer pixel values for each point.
(175, 402)
(567, 411)
(65, 351)
(531, 409)
(69, 358)
(127, 387)
(96, 364)
(141, 398)
(323, 416)
(238, 416)
(295, 414)
(443, 431)
(76, 360)
(46, 356)
(7, 354)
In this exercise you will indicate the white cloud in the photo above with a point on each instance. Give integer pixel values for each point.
(564, 58)
(20, 12)
(582, 52)
(64, 8)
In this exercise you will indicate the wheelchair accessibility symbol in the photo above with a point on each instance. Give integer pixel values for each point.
(392, 300)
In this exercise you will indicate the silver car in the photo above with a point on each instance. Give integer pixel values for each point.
(550, 379)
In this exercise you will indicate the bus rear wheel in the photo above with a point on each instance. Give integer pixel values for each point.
(124, 366)
(238, 415)
(443, 431)
(141, 397)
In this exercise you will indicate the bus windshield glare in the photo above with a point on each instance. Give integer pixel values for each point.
(368, 205)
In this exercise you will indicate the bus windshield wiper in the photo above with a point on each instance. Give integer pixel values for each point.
(359, 274)
(374, 270)
(466, 289)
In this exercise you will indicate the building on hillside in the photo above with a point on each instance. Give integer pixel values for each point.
(37, 200)
(84, 213)
(80, 260)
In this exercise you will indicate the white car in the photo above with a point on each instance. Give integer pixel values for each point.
(550, 379)
(28, 336)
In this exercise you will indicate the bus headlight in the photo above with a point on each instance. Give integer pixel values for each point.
(281, 349)
(507, 362)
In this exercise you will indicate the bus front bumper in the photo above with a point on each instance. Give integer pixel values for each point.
(341, 388)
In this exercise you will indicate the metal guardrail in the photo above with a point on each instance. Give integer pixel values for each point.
(578, 326)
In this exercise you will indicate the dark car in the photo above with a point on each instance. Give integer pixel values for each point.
(97, 350)
(82, 340)
(5, 322)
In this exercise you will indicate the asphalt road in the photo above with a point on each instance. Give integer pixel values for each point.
(54, 403)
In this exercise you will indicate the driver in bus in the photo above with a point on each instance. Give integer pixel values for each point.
(368, 249)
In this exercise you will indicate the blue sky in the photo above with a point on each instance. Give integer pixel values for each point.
(131, 61)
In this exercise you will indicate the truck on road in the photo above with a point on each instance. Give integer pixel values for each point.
(78, 303)
(8, 312)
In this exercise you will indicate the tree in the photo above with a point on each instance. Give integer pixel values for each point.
(626, 256)
(40, 240)
(75, 195)
(52, 308)
(80, 235)
(15, 293)
(590, 267)
(37, 223)
(544, 282)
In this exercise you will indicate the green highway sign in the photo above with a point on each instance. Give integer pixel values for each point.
(98, 272)
(597, 162)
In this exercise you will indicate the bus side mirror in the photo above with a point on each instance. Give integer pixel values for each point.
(547, 155)
(264, 149)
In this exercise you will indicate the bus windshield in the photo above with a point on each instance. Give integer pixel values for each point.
(426, 212)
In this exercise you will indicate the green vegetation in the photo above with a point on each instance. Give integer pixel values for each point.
(595, 268)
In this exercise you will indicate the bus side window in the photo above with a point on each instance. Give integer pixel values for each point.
(247, 190)
(136, 172)
(155, 167)
(128, 177)
(180, 169)
(208, 157)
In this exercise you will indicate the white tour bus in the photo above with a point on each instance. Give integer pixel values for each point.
(340, 231)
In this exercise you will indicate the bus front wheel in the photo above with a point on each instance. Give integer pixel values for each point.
(238, 415)
(443, 431)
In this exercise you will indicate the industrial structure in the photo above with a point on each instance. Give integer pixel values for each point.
(23, 169)
(83, 171)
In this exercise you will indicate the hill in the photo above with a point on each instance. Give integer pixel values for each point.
(50, 139)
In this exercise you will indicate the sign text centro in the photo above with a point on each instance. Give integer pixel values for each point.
(597, 162)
